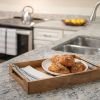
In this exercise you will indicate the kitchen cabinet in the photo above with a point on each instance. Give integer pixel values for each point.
(47, 36)
(52, 30)
(40, 43)
(44, 36)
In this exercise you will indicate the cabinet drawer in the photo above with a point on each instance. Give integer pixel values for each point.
(47, 34)
(41, 43)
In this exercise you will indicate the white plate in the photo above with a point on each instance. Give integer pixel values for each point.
(46, 64)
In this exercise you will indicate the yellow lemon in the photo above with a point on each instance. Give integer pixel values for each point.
(78, 21)
(82, 21)
(73, 21)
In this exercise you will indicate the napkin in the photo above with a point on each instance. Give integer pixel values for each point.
(35, 73)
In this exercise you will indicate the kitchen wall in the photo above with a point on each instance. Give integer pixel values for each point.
(75, 7)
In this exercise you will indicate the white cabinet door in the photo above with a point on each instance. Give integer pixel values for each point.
(41, 43)
(43, 37)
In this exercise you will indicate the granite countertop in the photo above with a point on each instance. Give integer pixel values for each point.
(57, 24)
(11, 90)
(13, 23)
(17, 22)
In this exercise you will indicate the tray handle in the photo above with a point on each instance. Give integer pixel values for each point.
(19, 78)
(15, 72)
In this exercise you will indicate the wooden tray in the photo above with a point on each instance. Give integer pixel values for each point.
(51, 83)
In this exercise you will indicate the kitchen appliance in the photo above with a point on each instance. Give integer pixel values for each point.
(27, 14)
(24, 43)
(23, 33)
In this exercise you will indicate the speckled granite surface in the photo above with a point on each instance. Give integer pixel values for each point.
(11, 90)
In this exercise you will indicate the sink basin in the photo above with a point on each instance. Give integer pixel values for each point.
(86, 41)
(80, 45)
(80, 49)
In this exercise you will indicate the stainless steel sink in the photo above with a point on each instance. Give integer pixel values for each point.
(80, 49)
(86, 41)
(80, 45)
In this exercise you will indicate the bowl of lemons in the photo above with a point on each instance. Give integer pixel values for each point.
(75, 21)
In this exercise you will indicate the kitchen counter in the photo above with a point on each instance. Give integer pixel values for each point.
(13, 23)
(11, 90)
(17, 23)
(92, 30)
(57, 24)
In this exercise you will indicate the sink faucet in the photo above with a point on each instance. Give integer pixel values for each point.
(93, 15)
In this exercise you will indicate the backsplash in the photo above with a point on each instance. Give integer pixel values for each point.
(6, 14)
(82, 7)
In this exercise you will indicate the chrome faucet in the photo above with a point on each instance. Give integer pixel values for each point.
(93, 15)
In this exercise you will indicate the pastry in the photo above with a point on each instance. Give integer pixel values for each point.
(59, 68)
(78, 67)
(67, 60)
